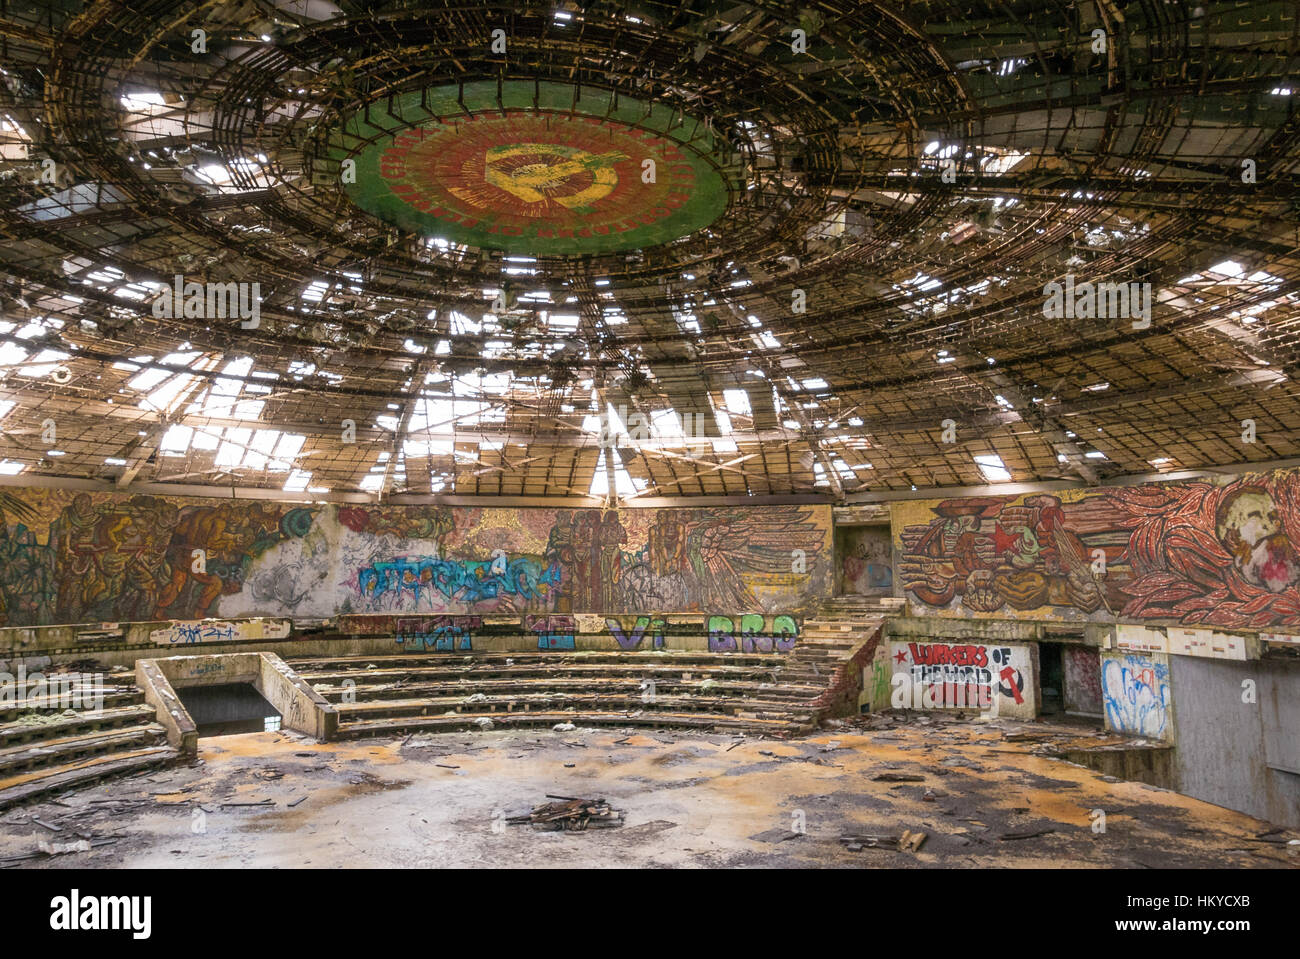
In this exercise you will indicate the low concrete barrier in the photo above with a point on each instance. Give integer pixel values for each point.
(182, 733)
(301, 707)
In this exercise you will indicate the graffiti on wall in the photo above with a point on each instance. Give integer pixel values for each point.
(1191, 553)
(429, 582)
(554, 631)
(629, 635)
(966, 672)
(1135, 690)
(866, 560)
(749, 633)
(876, 676)
(443, 634)
(1081, 667)
(752, 633)
(70, 557)
(217, 631)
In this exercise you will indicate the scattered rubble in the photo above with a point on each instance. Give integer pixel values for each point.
(571, 815)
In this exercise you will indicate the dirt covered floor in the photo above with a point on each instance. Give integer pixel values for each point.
(986, 796)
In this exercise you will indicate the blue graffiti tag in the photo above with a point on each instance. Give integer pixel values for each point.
(1136, 694)
(465, 581)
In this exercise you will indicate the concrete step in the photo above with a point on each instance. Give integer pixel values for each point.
(60, 752)
(15, 734)
(492, 705)
(41, 783)
(554, 670)
(366, 692)
(522, 659)
(660, 720)
(113, 696)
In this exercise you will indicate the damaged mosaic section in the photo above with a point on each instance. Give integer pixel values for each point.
(80, 557)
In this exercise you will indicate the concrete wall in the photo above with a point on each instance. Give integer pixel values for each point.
(79, 557)
(387, 635)
(1233, 751)
(300, 706)
(1137, 694)
(1003, 676)
(876, 681)
(1082, 676)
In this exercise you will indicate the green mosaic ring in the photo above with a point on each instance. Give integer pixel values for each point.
(537, 170)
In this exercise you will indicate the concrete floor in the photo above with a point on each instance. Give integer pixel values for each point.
(689, 800)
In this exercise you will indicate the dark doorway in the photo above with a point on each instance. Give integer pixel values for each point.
(1051, 670)
(865, 557)
(228, 709)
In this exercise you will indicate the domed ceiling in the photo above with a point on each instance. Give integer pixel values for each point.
(663, 249)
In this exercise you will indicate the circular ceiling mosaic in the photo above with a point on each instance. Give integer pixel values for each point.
(538, 171)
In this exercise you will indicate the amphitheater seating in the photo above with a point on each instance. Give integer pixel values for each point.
(769, 693)
(46, 749)
(448, 692)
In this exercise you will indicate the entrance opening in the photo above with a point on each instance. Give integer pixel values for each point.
(1052, 671)
(865, 560)
(229, 708)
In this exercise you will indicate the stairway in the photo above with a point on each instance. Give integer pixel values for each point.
(855, 608)
(46, 749)
(765, 693)
(432, 693)
(836, 642)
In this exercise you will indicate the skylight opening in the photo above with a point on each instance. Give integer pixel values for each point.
(143, 102)
(230, 453)
(259, 449)
(738, 402)
(991, 465)
(1228, 268)
(176, 441)
(624, 483)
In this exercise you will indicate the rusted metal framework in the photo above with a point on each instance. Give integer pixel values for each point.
(914, 179)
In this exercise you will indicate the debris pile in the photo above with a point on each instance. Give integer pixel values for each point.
(908, 842)
(571, 815)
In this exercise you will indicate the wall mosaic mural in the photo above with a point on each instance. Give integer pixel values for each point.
(70, 557)
(1189, 553)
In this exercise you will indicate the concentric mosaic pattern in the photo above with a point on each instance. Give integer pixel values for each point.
(564, 175)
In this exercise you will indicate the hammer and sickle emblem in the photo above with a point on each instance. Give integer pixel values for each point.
(535, 182)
